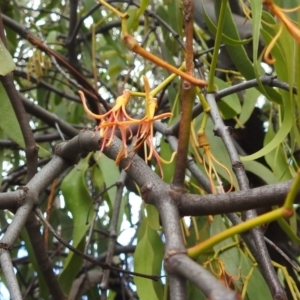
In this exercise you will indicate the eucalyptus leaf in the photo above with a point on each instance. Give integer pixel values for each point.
(7, 64)
(8, 121)
(148, 242)
(79, 203)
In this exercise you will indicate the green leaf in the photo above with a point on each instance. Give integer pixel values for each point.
(250, 99)
(44, 291)
(110, 172)
(135, 14)
(1, 156)
(42, 152)
(216, 147)
(282, 51)
(143, 6)
(256, 285)
(240, 57)
(194, 293)
(152, 216)
(261, 171)
(148, 258)
(283, 131)
(230, 105)
(174, 15)
(228, 251)
(225, 39)
(169, 47)
(7, 64)
(78, 202)
(168, 169)
(8, 121)
(277, 159)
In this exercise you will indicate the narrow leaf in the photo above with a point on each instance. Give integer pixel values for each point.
(7, 64)
(148, 260)
(78, 202)
(8, 120)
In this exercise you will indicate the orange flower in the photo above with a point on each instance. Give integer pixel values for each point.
(145, 134)
(117, 117)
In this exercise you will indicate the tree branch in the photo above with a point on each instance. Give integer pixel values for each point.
(187, 102)
(262, 254)
(8, 272)
(261, 197)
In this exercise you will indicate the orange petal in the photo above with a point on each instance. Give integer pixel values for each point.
(98, 117)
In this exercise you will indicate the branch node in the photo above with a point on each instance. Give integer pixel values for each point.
(5, 246)
(173, 252)
(23, 188)
(145, 191)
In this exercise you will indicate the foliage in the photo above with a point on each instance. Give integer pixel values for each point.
(119, 176)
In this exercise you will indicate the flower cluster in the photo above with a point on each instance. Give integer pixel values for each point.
(118, 119)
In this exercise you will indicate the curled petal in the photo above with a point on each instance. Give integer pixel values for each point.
(90, 113)
(267, 54)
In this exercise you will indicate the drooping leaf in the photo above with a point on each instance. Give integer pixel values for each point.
(78, 201)
(1, 156)
(7, 64)
(253, 280)
(230, 105)
(229, 254)
(8, 120)
(250, 99)
(213, 29)
(168, 169)
(148, 242)
(240, 58)
(174, 15)
(194, 293)
(261, 171)
(110, 173)
(152, 216)
(277, 160)
(44, 291)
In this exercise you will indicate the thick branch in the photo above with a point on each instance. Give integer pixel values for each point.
(154, 190)
(204, 280)
(262, 197)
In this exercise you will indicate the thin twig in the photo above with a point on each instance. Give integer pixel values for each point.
(87, 257)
